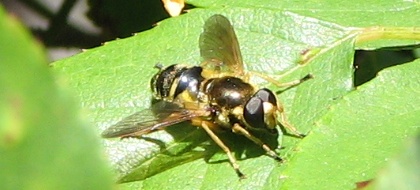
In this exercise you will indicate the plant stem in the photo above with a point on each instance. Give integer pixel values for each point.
(375, 33)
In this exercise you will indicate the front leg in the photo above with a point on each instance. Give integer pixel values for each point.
(240, 130)
(207, 126)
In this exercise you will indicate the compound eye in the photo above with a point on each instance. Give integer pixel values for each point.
(267, 95)
(254, 113)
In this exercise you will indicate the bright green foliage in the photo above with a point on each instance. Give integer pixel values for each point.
(351, 131)
(351, 142)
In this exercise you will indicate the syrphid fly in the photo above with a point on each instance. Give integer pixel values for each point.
(216, 95)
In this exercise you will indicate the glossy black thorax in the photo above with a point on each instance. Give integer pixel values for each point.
(228, 92)
(239, 102)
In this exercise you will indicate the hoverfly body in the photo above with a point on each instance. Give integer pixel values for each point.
(215, 96)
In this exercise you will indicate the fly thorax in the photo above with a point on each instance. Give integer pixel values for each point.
(229, 92)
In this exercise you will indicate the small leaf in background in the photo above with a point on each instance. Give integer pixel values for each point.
(174, 7)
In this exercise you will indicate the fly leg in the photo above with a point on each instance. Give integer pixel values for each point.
(206, 126)
(240, 130)
(285, 122)
(280, 84)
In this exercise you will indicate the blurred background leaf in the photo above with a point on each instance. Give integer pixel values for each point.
(43, 142)
(402, 171)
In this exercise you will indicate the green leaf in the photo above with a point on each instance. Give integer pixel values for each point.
(356, 13)
(360, 133)
(112, 82)
(42, 143)
(390, 22)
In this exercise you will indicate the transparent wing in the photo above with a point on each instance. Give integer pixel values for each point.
(159, 116)
(219, 46)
